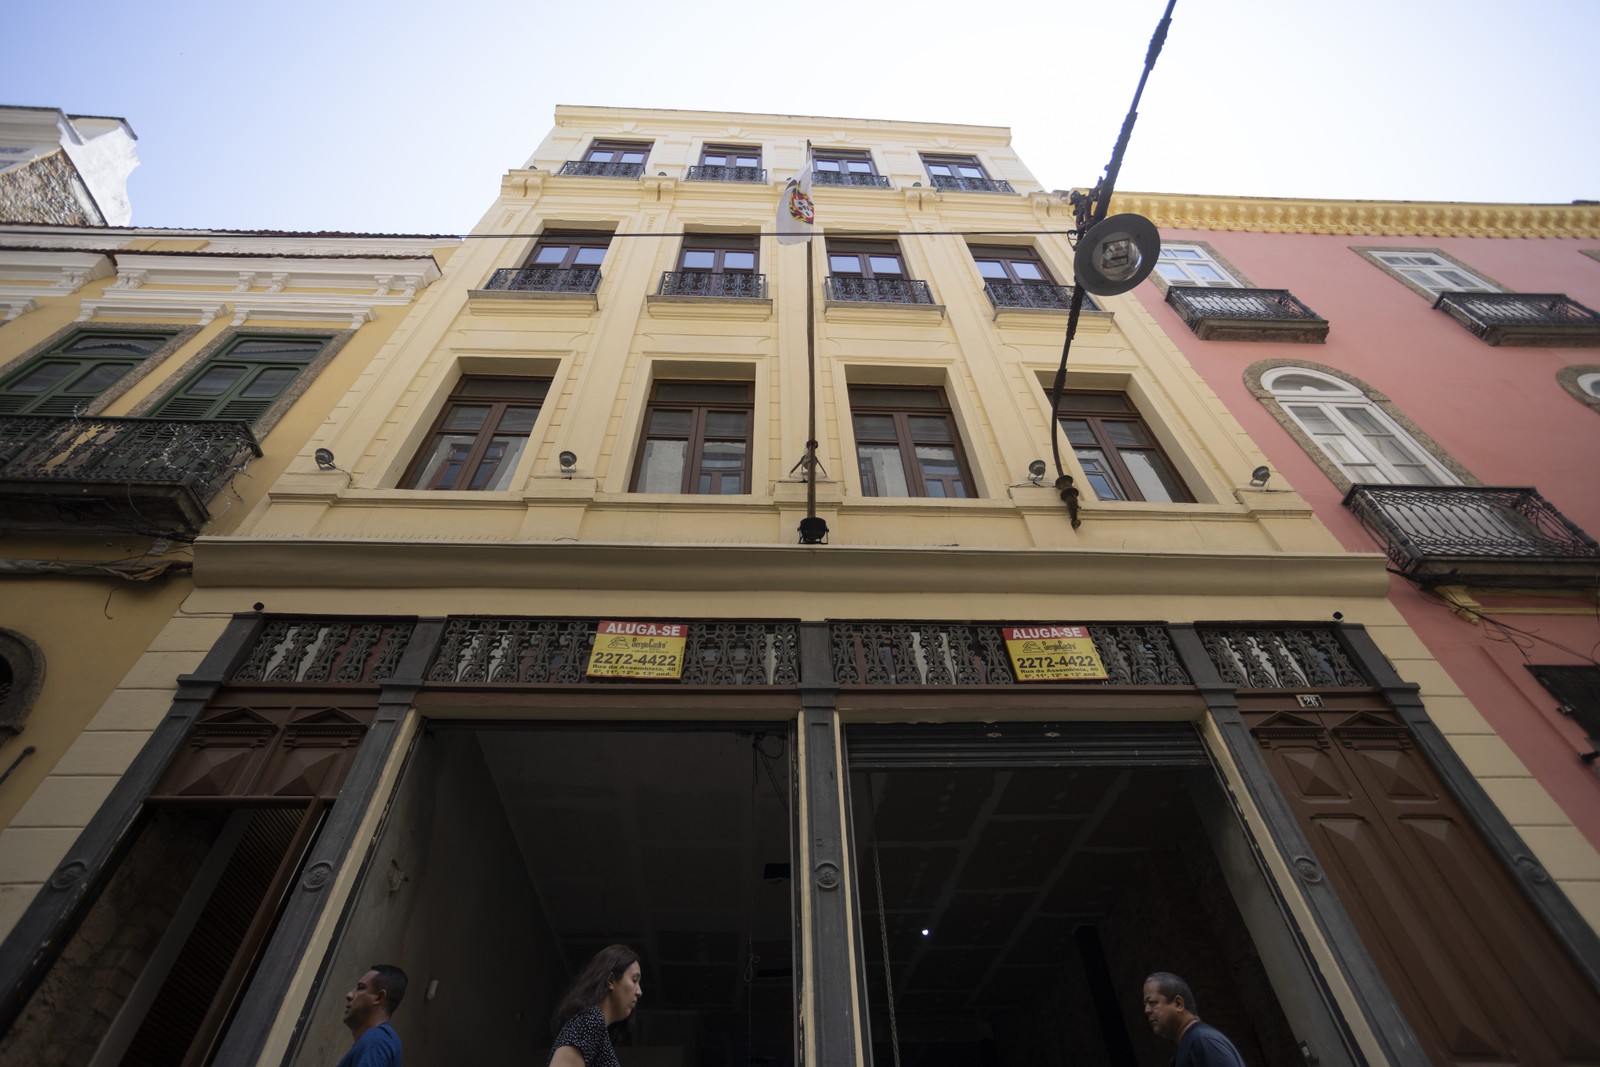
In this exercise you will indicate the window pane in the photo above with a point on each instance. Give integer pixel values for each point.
(827, 165)
(670, 423)
(661, 469)
(859, 166)
(1171, 272)
(1077, 431)
(875, 427)
(632, 157)
(941, 472)
(844, 264)
(550, 255)
(443, 465)
(466, 418)
(99, 377)
(1098, 472)
(499, 463)
(274, 350)
(940, 169)
(739, 261)
(1028, 272)
(589, 257)
(43, 379)
(726, 423)
(716, 159)
(1313, 418)
(1151, 475)
(968, 171)
(518, 420)
(882, 472)
(747, 161)
(599, 155)
(1095, 402)
(696, 259)
(886, 265)
(991, 268)
(1125, 434)
(1181, 253)
(269, 382)
(927, 428)
(216, 381)
(1204, 273)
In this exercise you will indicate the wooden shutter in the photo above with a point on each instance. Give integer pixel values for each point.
(240, 383)
(89, 364)
(1479, 976)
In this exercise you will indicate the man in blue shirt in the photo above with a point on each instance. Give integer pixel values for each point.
(367, 1008)
(1170, 1009)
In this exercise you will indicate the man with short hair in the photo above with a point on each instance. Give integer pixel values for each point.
(367, 1008)
(1170, 1009)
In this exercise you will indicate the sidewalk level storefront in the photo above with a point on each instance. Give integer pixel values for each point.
(840, 842)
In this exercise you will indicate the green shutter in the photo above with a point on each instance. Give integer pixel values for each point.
(240, 383)
(66, 380)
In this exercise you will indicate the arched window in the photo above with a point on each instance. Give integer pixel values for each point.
(21, 678)
(1582, 382)
(1352, 431)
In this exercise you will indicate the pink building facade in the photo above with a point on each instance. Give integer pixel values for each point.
(1403, 366)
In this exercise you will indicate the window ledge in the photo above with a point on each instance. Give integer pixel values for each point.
(883, 312)
(708, 307)
(521, 301)
(1053, 318)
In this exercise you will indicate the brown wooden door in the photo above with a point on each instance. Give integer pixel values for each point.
(1475, 970)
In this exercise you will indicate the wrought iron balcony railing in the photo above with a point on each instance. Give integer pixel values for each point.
(1481, 534)
(1246, 315)
(876, 290)
(972, 185)
(839, 177)
(1545, 320)
(726, 174)
(732, 285)
(584, 168)
(153, 475)
(1046, 295)
(545, 279)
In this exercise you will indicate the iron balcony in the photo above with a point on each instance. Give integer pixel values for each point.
(726, 174)
(1480, 535)
(1544, 320)
(839, 177)
(583, 168)
(1247, 315)
(972, 185)
(733, 285)
(97, 474)
(545, 279)
(848, 287)
(1045, 295)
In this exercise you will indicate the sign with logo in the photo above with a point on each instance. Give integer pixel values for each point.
(638, 650)
(1053, 653)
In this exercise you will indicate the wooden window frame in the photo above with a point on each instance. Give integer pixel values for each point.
(731, 151)
(52, 346)
(224, 354)
(905, 439)
(574, 241)
(85, 364)
(1007, 256)
(1121, 475)
(842, 157)
(695, 439)
(1204, 257)
(615, 146)
(865, 249)
(463, 395)
(952, 160)
(720, 244)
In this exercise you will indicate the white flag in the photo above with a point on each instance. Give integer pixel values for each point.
(797, 215)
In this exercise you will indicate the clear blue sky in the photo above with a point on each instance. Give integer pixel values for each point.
(401, 116)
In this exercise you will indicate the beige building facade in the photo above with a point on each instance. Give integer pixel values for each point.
(854, 815)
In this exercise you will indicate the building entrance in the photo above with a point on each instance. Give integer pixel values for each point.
(512, 853)
(1023, 885)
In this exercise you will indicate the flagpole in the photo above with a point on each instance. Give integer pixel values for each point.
(811, 386)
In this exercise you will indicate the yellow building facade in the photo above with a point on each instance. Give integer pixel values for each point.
(853, 814)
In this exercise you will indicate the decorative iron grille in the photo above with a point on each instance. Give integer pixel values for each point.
(1280, 659)
(199, 454)
(545, 279)
(1419, 523)
(739, 285)
(1524, 318)
(1195, 304)
(325, 650)
(972, 185)
(1046, 295)
(877, 290)
(939, 653)
(556, 652)
(584, 168)
(839, 177)
(726, 174)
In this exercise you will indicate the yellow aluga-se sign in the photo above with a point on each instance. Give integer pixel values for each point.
(1043, 653)
(638, 649)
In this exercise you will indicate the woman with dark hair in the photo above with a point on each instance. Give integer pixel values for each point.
(603, 995)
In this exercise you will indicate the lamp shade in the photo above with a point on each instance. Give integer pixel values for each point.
(1117, 255)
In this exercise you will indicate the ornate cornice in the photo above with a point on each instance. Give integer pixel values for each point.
(1372, 218)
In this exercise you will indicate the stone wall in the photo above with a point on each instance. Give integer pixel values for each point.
(47, 190)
